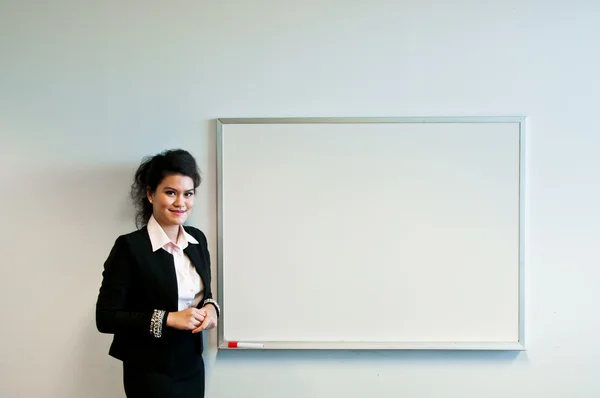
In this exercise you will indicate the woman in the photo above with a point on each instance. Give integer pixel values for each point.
(155, 295)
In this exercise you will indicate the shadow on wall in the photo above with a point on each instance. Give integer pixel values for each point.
(109, 213)
(377, 356)
(73, 214)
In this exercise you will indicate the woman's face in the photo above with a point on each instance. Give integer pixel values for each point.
(173, 200)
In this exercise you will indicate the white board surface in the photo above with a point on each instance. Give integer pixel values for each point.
(371, 233)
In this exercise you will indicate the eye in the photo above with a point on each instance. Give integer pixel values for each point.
(188, 194)
(170, 193)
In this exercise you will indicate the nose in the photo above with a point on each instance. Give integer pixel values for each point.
(178, 201)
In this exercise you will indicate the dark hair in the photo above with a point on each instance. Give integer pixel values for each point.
(150, 174)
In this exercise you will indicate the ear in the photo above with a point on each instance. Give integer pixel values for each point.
(149, 195)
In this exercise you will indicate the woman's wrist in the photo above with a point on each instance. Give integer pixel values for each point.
(214, 304)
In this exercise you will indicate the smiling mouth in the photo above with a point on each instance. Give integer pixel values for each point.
(178, 211)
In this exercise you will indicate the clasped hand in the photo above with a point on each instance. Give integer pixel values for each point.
(194, 319)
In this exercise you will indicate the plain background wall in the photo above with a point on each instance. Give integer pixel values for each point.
(88, 88)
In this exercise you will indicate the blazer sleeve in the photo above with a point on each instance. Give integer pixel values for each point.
(206, 255)
(111, 316)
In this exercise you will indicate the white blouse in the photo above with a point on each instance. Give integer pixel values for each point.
(189, 284)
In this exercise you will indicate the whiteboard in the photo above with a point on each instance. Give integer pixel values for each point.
(371, 233)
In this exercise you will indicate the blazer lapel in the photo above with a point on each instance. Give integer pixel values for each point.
(161, 267)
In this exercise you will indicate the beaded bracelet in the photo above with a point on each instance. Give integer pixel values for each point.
(156, 323)
(213, 302)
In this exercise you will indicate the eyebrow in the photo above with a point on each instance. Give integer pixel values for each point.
(173, 189)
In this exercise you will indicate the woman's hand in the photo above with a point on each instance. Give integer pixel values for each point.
(188, 319)
(210, 318)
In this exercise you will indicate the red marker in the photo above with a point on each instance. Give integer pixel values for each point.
(237, 344)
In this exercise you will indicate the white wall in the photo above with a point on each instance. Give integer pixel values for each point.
(87, 89)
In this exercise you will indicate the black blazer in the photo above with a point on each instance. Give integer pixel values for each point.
(135, 282)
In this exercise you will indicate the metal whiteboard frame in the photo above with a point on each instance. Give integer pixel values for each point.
(360, 345)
